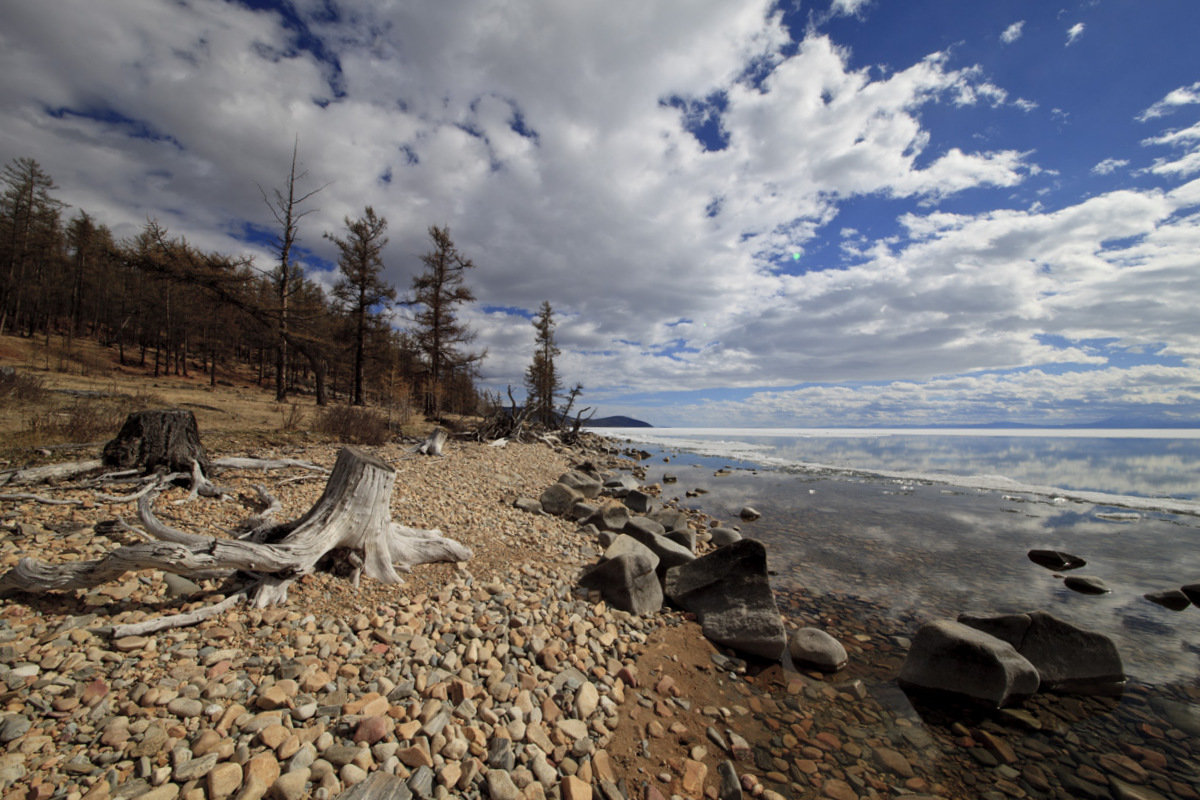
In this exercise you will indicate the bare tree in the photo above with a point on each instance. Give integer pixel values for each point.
(285, 207)
(362, 288)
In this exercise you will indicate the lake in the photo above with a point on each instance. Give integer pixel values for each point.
(931, 523)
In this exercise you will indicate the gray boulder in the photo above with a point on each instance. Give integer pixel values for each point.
(722, 536)
(558, 499)
(730, 593)
(620, 486)
(813, 647)
(581, 510)
(670, 518)
(585, 484)
(670, 554)
(609, 518)
(625, 544)
(646, 525)
(528, 504)
(1066, 657)
(952, 657)
(627, 582)
(686, 538)
(639, 502)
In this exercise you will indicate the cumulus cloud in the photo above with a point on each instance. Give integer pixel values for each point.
(1074, 32)
(1012, 32)
(651, 173)
(848, 7)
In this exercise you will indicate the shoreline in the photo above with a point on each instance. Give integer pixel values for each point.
(465, 681)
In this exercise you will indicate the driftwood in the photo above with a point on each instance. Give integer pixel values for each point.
(349, 524)
(434, 444)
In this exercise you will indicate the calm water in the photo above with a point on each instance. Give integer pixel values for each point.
(937, 523)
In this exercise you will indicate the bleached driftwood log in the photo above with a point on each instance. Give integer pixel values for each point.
(433, 444)
(350, 523)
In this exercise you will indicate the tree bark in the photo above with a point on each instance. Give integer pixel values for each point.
(350, 522)
(164, 439)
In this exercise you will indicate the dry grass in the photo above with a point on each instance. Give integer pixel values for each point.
(53, 396)
(354, 425)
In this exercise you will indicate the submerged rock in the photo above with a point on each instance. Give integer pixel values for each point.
(1173, 599)
(1067, 658)
(952, 657)
(816, 648)
(1086, 584)
(1056, 560)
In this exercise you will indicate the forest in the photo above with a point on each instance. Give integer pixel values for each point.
(165, 305)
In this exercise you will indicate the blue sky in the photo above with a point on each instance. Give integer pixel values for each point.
(854, 212)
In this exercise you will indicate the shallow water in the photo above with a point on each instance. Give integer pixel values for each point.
(930, 549)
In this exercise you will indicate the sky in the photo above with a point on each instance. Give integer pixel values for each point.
(755, 213)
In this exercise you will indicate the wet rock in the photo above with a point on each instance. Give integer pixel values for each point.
(1066, 657)
(1173, 599)
(1192, 592)
(1056, 560)
(953, 657)
(749, 514)
(1086, 584)
(816, 648)
(729, 591)
(722, 536)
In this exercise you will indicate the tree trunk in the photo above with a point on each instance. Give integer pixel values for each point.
(164, 439)
(350, 523)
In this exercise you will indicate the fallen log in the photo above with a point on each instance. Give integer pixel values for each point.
(350, 523)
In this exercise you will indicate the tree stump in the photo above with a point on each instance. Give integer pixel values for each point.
(349, 524)
(165, 440)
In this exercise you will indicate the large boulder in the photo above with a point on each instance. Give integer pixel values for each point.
(645, 524)
(609, 517)
(621, 485)
(952, 657)
(625, 544)
(670, 554)
(581, 482)
(639, 502)
(670, 518)
(1066, 657)
(730, 593)
(722, 536)
(627, 582)
(558, 499)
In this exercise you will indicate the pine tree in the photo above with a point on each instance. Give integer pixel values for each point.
(30, 236)
(361, 288)
(542, 383)
(439, 334)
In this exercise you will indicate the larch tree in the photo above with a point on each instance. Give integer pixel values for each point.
(439, 290)
(361, 289)
(542, 383)
(285, 205)
(29, 235)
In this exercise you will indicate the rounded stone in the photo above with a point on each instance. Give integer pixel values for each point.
(815, 648)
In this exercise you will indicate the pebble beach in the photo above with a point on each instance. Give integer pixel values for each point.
(493, 678)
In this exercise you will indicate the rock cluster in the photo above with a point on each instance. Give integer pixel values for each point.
(1000, 659)
(651, 556)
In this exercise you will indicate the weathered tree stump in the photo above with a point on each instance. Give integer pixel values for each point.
(350, 524)
(165, 440)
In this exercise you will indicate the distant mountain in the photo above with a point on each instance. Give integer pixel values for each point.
(617, 422)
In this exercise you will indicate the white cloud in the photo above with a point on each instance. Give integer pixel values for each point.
(1074, 32)
(848, 7)
(1110, 165)
(661, 256)
(1183, 96)
(1012, 32)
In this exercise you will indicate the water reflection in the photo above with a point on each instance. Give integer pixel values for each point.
(1147, 467)
(928, 550)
